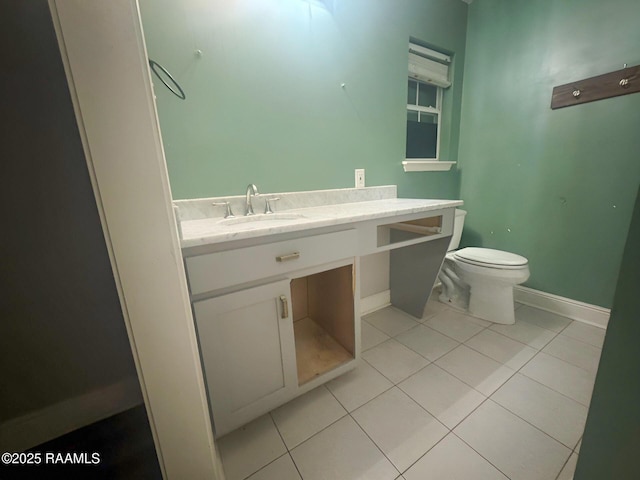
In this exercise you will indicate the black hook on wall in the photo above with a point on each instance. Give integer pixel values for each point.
(177, 91)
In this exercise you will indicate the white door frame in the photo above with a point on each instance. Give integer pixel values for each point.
(105, 60)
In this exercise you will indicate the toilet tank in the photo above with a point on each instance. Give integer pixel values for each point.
(457, 229)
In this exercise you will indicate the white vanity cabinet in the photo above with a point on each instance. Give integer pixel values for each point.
(248, 352)
(274, 320)
(277, 309)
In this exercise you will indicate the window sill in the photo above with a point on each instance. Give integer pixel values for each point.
(415, 165)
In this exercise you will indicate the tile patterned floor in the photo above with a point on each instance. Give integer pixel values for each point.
(449, 396)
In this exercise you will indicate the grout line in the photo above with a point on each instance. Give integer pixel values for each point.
(417, 323)
(374, 346)
(571, 363)
(551, 388)
(516, 369)
(278, 430)
(416, 402)
(438, 331)
(266, 465)
(502, 334)
(564, 465)
(443, 334)
(434, 446)
(567, 325)
(396, 385)
(579, 441)
(426, 358)
(364, 431)
(405, 346)
(579, 340)
(473, 386)
(372, 325)
(539, 383)
(365, 360)
(531, 424)
(481, 456)
(325, 427)
(561, 332)
(368, 401)
(296, 466)
(555, 334)
(458, 379)
(434, 416)
(283, 443)
(455, 339)
(571, 451)
(470, 413)
(321, 430)
(376, 445)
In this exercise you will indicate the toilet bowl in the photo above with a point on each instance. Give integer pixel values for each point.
(481, 280)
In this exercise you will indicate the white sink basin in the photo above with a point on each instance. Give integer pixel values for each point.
(263, 219)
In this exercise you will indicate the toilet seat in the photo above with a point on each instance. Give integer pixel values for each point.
(490, 258)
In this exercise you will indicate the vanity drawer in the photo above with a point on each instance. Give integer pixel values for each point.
(242, 265)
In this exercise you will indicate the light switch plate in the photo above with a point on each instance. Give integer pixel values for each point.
(359, 177)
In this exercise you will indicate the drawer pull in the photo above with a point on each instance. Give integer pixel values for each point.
(285, 306)
(289, 256)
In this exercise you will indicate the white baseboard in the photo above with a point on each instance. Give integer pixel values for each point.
(27, 431)
(582, 312)
(375, 302)
(573, 309)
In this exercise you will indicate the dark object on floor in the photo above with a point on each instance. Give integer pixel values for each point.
(123, 442)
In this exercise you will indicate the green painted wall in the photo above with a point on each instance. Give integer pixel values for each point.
(612, 434)
(557, 186)
(265, 103)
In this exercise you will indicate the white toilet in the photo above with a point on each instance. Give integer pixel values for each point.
(481, 280)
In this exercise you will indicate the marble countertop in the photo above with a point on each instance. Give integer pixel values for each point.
(206, 231)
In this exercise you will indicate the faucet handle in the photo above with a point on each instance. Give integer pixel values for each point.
(228, 213)
(267, 204)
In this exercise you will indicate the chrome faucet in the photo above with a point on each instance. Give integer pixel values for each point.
(251, 190)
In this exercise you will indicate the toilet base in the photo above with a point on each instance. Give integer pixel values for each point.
(492, 301)
(454, 292)
(483, 293)
(459, 300)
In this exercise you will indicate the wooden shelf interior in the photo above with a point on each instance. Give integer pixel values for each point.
(323, 321)
(409, 230)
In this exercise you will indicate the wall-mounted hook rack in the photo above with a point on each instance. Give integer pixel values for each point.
(620, 82)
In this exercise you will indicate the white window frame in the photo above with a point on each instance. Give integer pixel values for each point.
(437, 110)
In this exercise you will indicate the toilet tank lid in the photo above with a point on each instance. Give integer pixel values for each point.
(490, 256)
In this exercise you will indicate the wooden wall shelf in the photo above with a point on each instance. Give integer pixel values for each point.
(613, 84)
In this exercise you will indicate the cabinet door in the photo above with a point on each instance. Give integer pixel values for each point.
(248, 352)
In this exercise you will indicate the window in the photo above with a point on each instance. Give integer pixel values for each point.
(423, 119)
(428, 77)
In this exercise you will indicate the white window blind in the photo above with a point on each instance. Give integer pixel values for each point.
(429, 66)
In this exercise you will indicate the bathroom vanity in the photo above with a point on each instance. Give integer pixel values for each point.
(276, 296)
